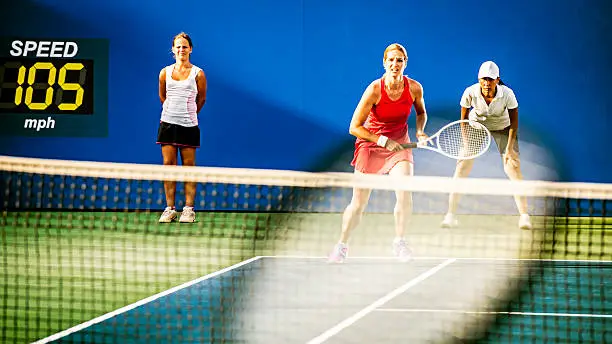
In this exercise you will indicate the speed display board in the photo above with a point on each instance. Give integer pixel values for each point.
(53, 87)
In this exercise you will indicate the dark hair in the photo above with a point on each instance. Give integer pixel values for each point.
(183, 35)
(501, 82)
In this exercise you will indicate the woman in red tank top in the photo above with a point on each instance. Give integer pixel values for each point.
(380, 125)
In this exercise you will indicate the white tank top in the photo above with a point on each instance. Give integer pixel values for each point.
(180, 105)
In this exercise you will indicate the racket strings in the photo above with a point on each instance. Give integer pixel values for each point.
(464, 140)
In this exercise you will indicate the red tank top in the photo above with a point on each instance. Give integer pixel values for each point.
(388, 117)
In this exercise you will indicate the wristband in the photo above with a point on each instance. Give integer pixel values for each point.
(382, 141)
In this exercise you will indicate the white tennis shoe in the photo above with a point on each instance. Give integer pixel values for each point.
(187, 215)
(525, 222)
(449, 221)
(168, 215)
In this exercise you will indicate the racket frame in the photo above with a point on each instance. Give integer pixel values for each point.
(436, 146)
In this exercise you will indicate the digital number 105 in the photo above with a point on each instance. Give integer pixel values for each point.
(67, 95)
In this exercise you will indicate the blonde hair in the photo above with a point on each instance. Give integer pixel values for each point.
(395, 46)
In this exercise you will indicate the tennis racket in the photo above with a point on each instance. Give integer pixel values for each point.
(462, 139)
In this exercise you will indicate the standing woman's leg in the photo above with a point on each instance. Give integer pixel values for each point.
(169, 156)
(188, 157)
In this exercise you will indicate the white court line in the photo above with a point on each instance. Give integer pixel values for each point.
(411, 310)
(446, 258)
(368, 309)
(124, 309)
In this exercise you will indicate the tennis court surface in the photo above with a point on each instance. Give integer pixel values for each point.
(84, 260)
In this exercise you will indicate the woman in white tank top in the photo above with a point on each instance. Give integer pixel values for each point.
(182, 91)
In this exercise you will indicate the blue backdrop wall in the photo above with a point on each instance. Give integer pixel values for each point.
(285, 76)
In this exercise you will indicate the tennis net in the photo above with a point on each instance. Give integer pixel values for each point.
(84, 258)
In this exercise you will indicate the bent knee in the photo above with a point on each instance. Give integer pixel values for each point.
(189, 162)
(357, 207)
(404, 206)
(464, 167)
(512, 165)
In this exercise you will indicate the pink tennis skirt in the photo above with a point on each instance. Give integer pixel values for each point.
(373, 159)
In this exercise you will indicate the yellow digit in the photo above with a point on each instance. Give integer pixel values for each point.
(16, 85)
(71, 86)
(20, 81)
(40, 85)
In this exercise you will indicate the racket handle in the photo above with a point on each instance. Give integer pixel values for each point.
(410, 145)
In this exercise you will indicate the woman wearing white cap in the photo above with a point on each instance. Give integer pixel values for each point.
(494, 105)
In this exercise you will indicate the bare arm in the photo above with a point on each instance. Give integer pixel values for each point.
(201, 97)
(513, 128)
(368, 100)
(465, 113)
(421, 113)
(162, 85)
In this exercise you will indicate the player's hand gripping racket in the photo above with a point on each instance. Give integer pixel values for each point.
(463, 139)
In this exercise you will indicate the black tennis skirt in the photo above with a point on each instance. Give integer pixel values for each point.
(177, 135)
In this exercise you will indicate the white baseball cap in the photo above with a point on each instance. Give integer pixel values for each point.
(488, 70)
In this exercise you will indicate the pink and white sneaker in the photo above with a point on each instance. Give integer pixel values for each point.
(339, 253)
(401, 250)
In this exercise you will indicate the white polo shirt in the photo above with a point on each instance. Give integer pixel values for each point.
(496, 113)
